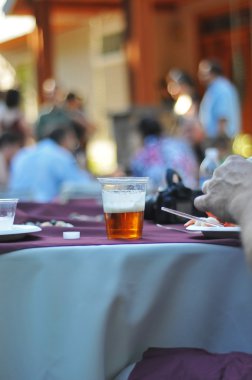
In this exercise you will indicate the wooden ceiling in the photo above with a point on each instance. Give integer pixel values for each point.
(26, 6)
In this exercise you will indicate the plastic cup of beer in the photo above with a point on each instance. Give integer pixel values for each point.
(123, 200)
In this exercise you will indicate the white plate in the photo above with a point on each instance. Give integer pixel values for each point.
(217, 232)
(18, 231)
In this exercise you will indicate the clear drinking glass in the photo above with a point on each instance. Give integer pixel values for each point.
(7, 213)
(123, 201)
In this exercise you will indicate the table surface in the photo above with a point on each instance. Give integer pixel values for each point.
(91, 232)
(85, 310)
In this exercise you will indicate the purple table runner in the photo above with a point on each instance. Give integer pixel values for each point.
(192, 364)
(91, 233)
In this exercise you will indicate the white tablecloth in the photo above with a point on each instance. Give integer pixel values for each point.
(84, 313)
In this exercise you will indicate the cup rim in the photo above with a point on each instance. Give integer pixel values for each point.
(122, 180)
(8, 200)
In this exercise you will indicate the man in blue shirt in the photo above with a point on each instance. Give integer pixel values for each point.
(219, 111)
(38, 172)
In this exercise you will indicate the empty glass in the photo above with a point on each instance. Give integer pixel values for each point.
(7, 213)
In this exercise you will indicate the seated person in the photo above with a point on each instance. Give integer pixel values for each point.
(56, 115)
(74, 110)
(12, 119)
(228, 196)
(159, 153)
(42, 169)
(10, 143)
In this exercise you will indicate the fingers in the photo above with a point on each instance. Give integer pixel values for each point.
(201, 203)
(233, 158)
(189, 223)
(215, 189)
(206, 186)
(230, 164)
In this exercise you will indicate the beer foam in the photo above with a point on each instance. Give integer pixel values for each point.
(118, 201)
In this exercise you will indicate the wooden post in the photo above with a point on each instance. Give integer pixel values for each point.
(140, 50)
(44, 44)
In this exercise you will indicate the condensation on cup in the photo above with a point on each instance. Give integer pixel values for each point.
(123, 201)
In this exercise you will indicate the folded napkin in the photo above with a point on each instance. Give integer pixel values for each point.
(192, 364)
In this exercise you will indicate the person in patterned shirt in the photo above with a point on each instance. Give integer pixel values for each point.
(159, 152)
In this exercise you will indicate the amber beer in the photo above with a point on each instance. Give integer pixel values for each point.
(124, 225)
(123, 205)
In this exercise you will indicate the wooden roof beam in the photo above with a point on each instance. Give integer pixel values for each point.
(21, 7)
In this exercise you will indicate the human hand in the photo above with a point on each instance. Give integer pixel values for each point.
(204, 222)
(227, 195)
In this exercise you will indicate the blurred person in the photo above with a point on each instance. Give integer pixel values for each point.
(192, 133)
(41, 170)
(219, 111)
(74, 110)
(183, 90)
(2, 103)
(224, 146)
(159, 153)
(10, 143)
(73, 106)
(165, 97)
(53, 95)
(73, 102)
(12, 118)
(52, 111)
(46, 121)
(52, 120)
(66, 111)
(228, 196)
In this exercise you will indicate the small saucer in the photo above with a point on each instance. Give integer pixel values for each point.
(217, 232)
(17, 231)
